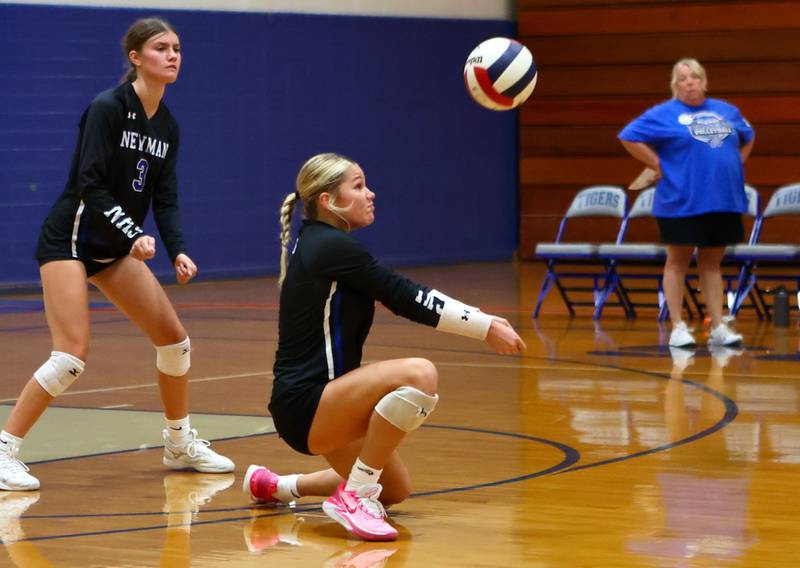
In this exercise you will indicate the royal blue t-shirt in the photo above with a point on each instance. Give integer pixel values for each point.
(698, 147)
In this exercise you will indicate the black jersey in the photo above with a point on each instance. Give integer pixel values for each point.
(122, 163)
(328, 301)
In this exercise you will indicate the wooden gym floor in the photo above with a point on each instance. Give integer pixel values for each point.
(592, 449)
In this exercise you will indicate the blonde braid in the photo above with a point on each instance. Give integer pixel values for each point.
(320, 173)
(286, 226)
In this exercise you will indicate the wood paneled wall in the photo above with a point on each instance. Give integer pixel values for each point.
(603, 63)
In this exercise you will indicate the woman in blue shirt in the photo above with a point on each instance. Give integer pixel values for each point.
(695, 146)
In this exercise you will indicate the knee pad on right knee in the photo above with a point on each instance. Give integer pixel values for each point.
(406, 408)
(59, 372)
(174, 360)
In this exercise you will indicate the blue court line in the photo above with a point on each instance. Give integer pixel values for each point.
(44, 326)
(115, 452)
(656, 351)
(20, 306)
(731, 412)
(133, 529)
(571, 456)
(780, 357)
(157, 447)
(731, 408)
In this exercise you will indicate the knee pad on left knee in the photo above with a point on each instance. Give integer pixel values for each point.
(175, 359)
(59, 372)
(406, 407)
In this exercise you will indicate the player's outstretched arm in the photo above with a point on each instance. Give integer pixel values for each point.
(503, 339)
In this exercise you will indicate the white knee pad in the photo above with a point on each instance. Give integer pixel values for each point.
(174, 360)
(406, 407)
(58, 372)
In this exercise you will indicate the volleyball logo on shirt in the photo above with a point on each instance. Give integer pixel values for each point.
(706, 126)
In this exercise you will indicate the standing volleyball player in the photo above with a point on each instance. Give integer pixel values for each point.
(323, 401)
(124, 161)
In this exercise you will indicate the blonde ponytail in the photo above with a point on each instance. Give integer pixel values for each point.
(320, 173)
(286, 225)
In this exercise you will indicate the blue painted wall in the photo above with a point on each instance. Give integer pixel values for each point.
(257, 95)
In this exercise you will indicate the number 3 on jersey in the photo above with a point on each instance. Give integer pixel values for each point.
(138, 183)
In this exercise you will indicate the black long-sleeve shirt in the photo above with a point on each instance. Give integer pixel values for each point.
(327, 305)
(122, 163)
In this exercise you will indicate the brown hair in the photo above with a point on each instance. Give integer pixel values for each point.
(137, 35)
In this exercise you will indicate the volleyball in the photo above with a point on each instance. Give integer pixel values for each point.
(500, 73)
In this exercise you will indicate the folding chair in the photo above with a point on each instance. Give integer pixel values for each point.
(594, 201)
(638, 255)
(785, 201)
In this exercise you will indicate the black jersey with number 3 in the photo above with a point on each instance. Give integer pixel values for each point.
(122, 163)
(328, 302)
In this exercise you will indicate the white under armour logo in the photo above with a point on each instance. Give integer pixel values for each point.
(132, 115)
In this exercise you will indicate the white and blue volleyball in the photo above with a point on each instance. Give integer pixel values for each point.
(500, 73)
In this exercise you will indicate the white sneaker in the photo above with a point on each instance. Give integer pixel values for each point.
(723, 335)
(194, 454)
(681, 336)
(14, 474)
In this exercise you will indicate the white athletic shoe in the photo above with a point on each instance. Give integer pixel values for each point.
(14, 474)
(723, 335)
(194, 454)
(681, 336)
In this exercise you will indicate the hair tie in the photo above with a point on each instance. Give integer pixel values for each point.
(297, 195)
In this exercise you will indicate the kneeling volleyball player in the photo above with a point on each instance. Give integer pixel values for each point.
(323, 401)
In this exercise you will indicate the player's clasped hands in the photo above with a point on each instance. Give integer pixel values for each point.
(503, 338)
(143, 248)
(185, 269)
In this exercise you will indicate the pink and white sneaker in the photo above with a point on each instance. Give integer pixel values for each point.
(260, 484)
(360, 512)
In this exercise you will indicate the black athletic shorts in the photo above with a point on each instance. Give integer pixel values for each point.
(54, 246)
(293, 407)
(92, 266)
(707, 230)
